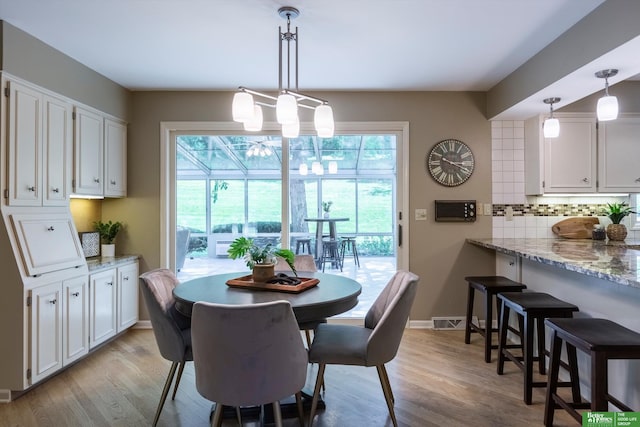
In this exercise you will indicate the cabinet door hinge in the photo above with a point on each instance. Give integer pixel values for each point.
(542, 184)
(73, 115)
(28, 301)
(6, 193)
(7, 91)
(29, 373)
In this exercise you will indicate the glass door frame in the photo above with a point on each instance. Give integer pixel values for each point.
(169, 130)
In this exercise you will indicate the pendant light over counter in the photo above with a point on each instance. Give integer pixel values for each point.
(551, 126)
(607, 105)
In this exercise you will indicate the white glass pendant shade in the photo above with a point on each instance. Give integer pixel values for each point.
(303, 169)
(315, 167)
(607, 108)
(333, 167)
(286, 109)
(255, 123)
(551, 128)
(323, 120)
(291, 130)
(242, 107)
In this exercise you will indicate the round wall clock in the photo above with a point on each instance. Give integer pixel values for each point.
(450, 162)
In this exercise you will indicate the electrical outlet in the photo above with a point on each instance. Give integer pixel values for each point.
(421, 214)
(488, 209)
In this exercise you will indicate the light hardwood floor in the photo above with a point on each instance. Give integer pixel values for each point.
(437, 381)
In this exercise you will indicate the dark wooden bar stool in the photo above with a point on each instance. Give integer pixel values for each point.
(330, 254)
(301, 243)
(532, 308)
(602, 340)
(489, 286)
(348, 243)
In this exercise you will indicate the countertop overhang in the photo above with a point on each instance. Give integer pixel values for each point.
(617, 262)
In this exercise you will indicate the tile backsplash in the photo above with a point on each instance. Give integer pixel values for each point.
(516, 215)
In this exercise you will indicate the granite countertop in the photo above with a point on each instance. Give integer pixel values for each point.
(617, 262)
(99, 263)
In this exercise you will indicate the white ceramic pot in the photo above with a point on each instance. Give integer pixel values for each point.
(108, 250)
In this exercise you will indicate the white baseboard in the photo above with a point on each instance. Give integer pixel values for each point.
(142, 324)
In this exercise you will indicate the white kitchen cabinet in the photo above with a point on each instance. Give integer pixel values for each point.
(39, 147)
(566, 164)
(47, 242)
(127, 296)
(102, 295)
(115, 158)
(88, 156)
(46, 331)
(508, 266)
(619, 154)
(75, 337)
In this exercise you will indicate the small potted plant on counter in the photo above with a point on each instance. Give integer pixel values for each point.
(616, 213)
(108, 232)
(260, 259)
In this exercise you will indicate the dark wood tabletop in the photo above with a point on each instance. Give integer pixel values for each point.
(333, 295)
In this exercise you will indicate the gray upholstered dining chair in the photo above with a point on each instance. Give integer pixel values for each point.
(246, 355)
(373, 344)
(171, 329)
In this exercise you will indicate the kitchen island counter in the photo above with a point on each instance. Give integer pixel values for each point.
(600, 277)
(617, 262)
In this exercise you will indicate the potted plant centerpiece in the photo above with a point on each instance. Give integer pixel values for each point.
(616, 213)
(326, 207)
(108, 232)
(260, 259)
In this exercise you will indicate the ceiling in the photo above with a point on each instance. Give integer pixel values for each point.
(372, 45)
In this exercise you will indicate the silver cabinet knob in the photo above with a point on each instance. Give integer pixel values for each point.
(55, 190)
(50, 228)
(75, 294)
(96, 180)
(32, 189)
(585, 180)
(113, 182)
(53, 301)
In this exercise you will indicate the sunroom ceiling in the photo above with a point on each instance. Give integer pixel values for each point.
(216, 155)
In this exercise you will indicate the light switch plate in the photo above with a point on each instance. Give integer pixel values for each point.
(421, 215)
(488, 209)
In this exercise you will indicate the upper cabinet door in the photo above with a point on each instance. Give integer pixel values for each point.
(115, 158)
(57, 151)
(25, 145)
(618, 154)
(88, 145)
(570, 160)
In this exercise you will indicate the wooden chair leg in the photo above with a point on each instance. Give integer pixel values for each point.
(277, 415)
(216, 419)
(386, 378)
(238, 415)
(175, 387)
(308, 337)
(316, 392)
(388, 394)
(552, 379)
(300, 408)
(467, 329)
(165, 391)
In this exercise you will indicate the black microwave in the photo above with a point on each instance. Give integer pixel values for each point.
(455, 210)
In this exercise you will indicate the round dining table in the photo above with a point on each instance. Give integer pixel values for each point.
(331, 296)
